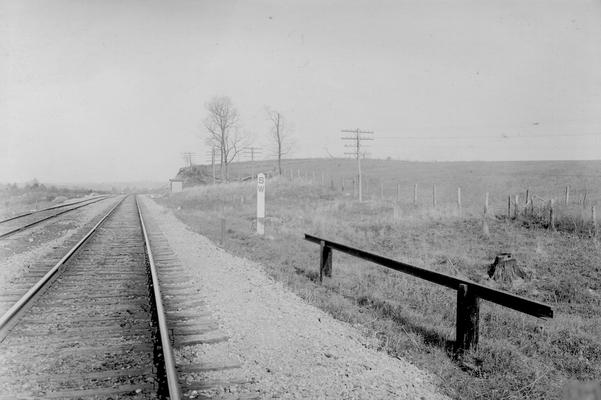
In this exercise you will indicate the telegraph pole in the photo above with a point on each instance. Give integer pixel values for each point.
(253, 151)
(213, 162)
(212, 155)
(187, 159)
(356, 137)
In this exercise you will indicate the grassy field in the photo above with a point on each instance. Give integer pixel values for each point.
(520, 357)
(15, 200)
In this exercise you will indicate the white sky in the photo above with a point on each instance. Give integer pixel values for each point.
(115, 90)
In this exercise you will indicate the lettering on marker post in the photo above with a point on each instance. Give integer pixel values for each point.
(260, 204)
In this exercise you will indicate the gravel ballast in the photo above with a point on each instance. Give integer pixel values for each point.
(47, 242)
(288, 348)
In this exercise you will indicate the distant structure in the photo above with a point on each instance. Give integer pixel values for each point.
(176, 185)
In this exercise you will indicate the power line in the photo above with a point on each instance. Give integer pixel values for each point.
(501, 137)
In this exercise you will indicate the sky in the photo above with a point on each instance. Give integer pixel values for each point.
(108, 91)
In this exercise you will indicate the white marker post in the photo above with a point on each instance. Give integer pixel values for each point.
(260, 204)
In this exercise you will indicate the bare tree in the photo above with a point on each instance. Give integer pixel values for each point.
(222, 124)
(280, 134)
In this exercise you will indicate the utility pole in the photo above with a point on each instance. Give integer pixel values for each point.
(356, 137)
(212, 155)
(252, 151)
(213, 162)
(187, 159)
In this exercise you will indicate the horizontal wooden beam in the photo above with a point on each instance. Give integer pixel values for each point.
(500, 297)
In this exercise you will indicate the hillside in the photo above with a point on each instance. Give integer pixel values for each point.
(546, 179)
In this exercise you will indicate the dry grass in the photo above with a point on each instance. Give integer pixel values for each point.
(520, 357)
(15, 200)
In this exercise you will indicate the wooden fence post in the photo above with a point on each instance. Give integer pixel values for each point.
(434, 195)
(594, 220)
(486, 203)
(415, 195)
(485, 230)
(551, 216)
(508, 207)
(567, 195)
(325, 261)
(527, 198)
(516, 206)
(459, 200)
(222, 220)
(468, 318)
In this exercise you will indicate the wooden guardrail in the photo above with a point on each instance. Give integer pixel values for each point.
(468, 293)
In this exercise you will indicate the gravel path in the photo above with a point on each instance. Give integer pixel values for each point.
(288, 349)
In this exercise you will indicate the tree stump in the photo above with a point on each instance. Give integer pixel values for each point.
(505, 269)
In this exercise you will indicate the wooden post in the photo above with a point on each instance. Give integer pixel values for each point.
(486, 203)
(434, 195)
(398, 192)
(468, 318)
(527, 198)
(222, 220)
(508, 207)
(551, 216)
(325, 261)
(415, 195)
(261, 204)
(485, 230)
(516, 206)
(459, 200)
(567, 196)
(594, 220)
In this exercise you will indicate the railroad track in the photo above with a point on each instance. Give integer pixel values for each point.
(18, 223)
(104, 322)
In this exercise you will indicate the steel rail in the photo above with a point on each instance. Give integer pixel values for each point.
(170, 369)
(10, 318)
(22, 228)
(50, 208)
